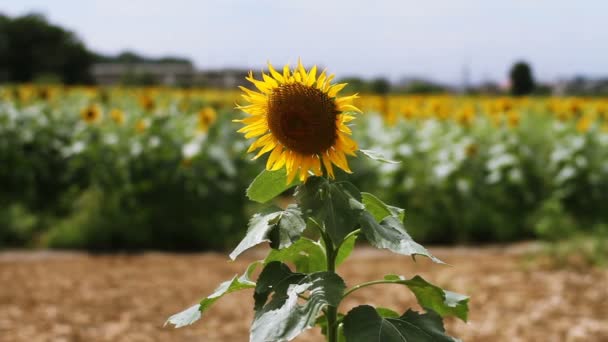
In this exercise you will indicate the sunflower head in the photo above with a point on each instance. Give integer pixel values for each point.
(206, 117)
(118, 116)
(298, 117)
(91, 114)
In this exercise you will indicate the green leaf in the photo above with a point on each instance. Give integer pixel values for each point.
(390, 234)
(308, 256)
(429, 296)
(275, 277)
(282, 319)
(334, 205)
(375, 155)
(280, 227)
(194, 313)
(365, 324)
(321, 322)
(387, 313)
(268, 185)
(379, 209)
(346, 248)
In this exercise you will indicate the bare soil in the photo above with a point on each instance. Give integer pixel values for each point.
(59, 296)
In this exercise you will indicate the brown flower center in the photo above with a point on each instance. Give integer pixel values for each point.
(302, 118)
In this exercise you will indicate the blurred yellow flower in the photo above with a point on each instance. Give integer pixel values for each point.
(141, 125)
(584, 123)
(91, 114)
(118, 116)
(513, 118)
(206, 117)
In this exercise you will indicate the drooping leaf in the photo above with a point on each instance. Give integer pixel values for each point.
(335, 205)
(280, 227)
(375, 155)
(308, 256)
(429, 296)
(282, 318)
(365, 324)
(194, 313)
(390, 234)
(186, 317)
(379, 209)
(268, 185)
(275, 278)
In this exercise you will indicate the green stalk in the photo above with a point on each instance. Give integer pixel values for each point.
(332, 311)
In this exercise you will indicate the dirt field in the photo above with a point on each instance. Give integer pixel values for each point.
(51, 296)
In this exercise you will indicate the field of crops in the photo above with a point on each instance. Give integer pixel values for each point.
(135, 168)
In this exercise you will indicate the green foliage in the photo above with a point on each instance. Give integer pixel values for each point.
(286, 302)
(429, 296)
(365, 324)
(335, 207)
(307, 255)
(390, 234)
(268, 185)
(280, 227)
(194, 313)
(282, 318)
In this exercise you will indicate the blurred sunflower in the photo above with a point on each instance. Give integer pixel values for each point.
(118, 116)
(91, 114)
(206, 117)
(141, 125)
(298, 117)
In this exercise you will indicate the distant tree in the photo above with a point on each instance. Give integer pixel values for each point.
(355, 84)
(30, 47)
(522, 81)
(380, 86)
(130, 57)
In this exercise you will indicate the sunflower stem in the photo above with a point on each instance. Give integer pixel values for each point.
(332, 311)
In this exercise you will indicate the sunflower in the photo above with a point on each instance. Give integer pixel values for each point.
(118, 116)
(299, 118)
(206, 117)
(91, 114)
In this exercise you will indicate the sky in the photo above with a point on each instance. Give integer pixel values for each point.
(433, 39)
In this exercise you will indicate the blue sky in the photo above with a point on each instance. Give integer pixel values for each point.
(403, 38)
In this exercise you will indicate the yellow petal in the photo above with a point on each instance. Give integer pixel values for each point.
(269, 80)
(274, 156)
(328, 167)
(312, 76)
(338, 158)
(274, 73)
(333, 91)
(280, 162)
(267, 147)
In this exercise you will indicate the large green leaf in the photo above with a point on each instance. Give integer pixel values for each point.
(194, 313)
(429, 296)
(276, 278)
(308, 256)
(280, 227)
(283, 318)
(390, 234)
(365, 324)
(268, 185)
(379, 209)
(334, 205)
(346, 248)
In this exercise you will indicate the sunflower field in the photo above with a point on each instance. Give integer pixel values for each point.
(164, 168)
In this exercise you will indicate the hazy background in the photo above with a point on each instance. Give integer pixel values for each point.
(445, 41)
